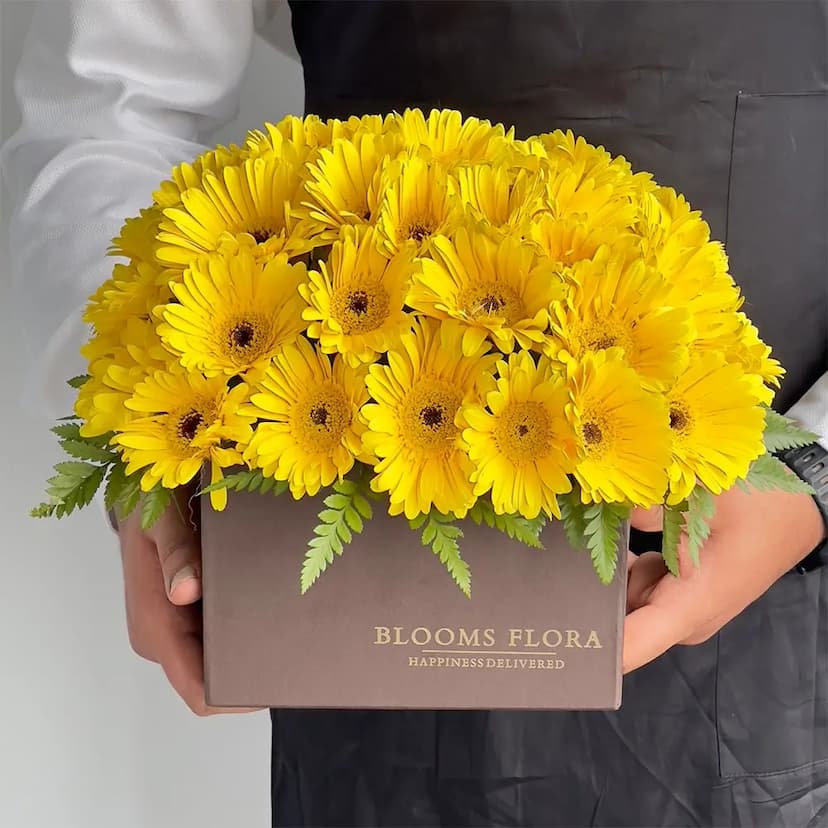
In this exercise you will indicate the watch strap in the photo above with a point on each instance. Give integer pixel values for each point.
(810, 463)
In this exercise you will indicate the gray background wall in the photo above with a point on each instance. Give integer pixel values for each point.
(91, 736)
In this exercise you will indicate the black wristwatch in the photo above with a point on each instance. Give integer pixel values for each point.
(810, 463)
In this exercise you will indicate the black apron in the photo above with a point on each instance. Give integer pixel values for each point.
(728, 103)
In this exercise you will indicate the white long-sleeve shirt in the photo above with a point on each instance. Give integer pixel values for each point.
(113, 93)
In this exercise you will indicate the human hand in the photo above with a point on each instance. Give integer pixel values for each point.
(162, 580)
(754, 539)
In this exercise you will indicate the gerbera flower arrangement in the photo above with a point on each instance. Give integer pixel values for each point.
(424, 314)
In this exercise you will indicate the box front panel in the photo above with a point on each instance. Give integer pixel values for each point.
(386, 627)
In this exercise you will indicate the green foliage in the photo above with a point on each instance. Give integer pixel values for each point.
(68, 431)
(768, 473)
(441, 533)
(79, 381)
(603, 532)
(153, 505)
(83, 450)
(573, 517)
(247, 481)
(75, 482)
(784, 433)
(515, 526)
(347, 509)
(72, 487)
(123, 491)
(700, 510)
(671, 535)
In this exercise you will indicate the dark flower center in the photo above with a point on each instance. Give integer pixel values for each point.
(242, 335)
(678, 419)
(432, 416)
(603, 342)
(261, 235)
(592, 434)
(418, 232)
(358, 302)
(188, 425)
(522, 430)
(492, 304)
(319, 415)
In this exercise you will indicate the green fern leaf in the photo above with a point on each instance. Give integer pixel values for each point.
(251, 480)
(442, 534)
(573, 517)
(79, 381)
(68, 431)
(126, 494)
(700, 510)
(768, 473)
(784, 433)
(88, 451)
(337, 524)
(603, 532)
(671, 535)
(153, 505)
(43, 510)
(516, 527)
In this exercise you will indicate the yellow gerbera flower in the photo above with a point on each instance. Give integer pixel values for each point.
(187, 421)
(755, 355)
(356, 299)
(311, 428)
(505, 197)
(617, 302)
(233, 312)
(343, 184)
(416, 207)
(448, 138)
(299, 137)
(412, 423)
(623, 432)
(101, 401)
(498, 290)
(521, 443)
(746, 349)
(666, 218)
(118, 360)
(716, 424)
(570, 239)
(132, 292)
(248, 203)
(188, 175)
(570, 194)
(564, 151)
(137, 238)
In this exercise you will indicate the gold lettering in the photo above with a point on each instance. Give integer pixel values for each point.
(383, 635)
(500, 663)
(530, 639)
(573, 638)
(515, 637)
(552, 639)
(420, 640)
(593, 641)
(466, 640)
(450, 637)
(397, 633)
(490, 662)
(488, 637)
(412, 661)
(559, 664)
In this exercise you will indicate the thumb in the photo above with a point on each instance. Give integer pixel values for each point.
(177, 542)
(647, 520)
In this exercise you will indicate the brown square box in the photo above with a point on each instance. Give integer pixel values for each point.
(386, 627)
